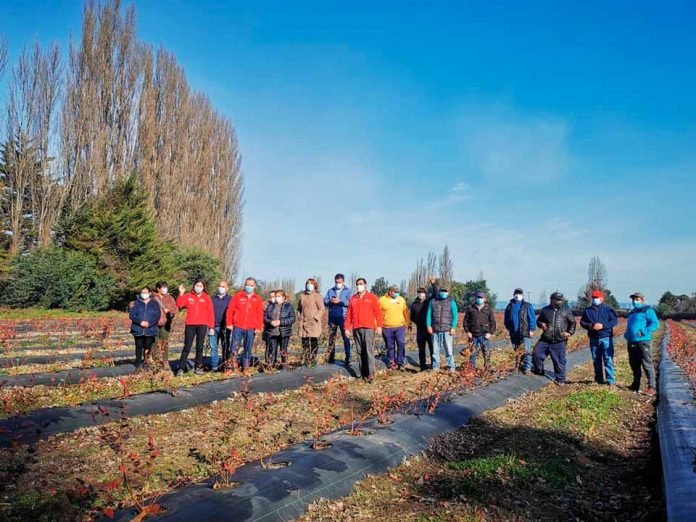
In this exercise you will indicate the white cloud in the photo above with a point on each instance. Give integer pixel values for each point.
(503, 145)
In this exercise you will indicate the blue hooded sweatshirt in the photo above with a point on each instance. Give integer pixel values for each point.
(642, 322)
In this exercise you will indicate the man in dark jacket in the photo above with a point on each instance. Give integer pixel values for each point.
(419, 313)
(520, 322)
(219, 335)
(558, 324)
(599, 320)
(337, 300)
(479, 325)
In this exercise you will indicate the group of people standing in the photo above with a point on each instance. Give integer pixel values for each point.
(231, 323)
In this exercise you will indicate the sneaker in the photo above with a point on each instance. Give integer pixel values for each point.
(198, 371)
(179, 373)
(560, 383)
(650, 391)
(526, 372)
(401, 368)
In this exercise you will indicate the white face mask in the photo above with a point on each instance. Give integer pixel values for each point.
(144, 296)
(198, 289)
(164, 291)
(272, 299)
(310, 287)
(519, 297)
(339, 285)
(361, 288)
(222, 290)
(279, 300)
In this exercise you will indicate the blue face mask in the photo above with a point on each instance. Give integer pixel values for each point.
(396, 294)
(479, 300)
(637, 304)
(596, 301)
(444, 295)
(249, 289)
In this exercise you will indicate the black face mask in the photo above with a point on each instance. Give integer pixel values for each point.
(557, 304)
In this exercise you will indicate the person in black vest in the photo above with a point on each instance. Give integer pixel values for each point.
(558, 324)
(479, 325)
(442, 325)
(419, 313)
(520, 322)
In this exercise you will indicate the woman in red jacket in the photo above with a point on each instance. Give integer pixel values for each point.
(200, 319)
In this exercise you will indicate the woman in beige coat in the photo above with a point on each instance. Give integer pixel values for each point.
(309, 313)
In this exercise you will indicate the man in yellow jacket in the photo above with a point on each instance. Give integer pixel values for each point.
(396, 318)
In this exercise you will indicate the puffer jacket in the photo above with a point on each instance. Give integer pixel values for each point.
(286, 318)
(479, 321)
(558, 321)
(142, 311)
(309, 312)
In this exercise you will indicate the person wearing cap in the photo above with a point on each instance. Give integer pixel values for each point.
(479, 325)
(642, 322)
(599, 320)
(441, 321)
(520, 322)
(363, 319)
(557, 324)
(396, 317)
(418, 313)
(336, 300)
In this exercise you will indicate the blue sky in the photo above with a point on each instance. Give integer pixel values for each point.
(529, 136)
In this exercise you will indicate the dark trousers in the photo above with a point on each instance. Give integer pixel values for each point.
(273, 344)
(310, 347)
(142, 344)
(640, 356)
(191, 332)
(334, 326)
(423, 339)
(395, 338)
(246, 339)
(365, 344)
(557, 351)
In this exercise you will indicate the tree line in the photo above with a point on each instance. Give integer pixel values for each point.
(113, 112)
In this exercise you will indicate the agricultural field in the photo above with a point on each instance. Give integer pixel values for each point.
(137, 438)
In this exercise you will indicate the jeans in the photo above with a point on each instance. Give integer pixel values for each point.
(246, 338)
(142, 344)
(395, 338)
(365, 344)
(334, 326)
(526, 342)
(640, 355)
(603, 359)
(444, 340)
(192, 332)
(480, 343)
(557, 351)
(221, 337)
(423, 339)
(273, 342)
(310, 347)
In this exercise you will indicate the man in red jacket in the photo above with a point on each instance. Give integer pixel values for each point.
(363, 319)
(245, 318)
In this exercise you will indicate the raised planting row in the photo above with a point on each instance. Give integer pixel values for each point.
(676, 421)
(41, 411)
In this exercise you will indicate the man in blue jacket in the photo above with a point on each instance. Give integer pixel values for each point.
(599, 320)
(520, 322)
(336, 300)
(642, 322)
(219, 335)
